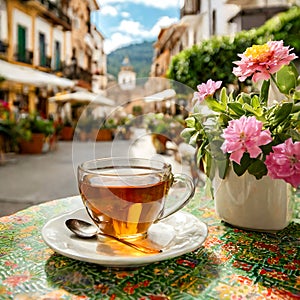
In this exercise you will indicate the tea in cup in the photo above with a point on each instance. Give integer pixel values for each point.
(125, 196)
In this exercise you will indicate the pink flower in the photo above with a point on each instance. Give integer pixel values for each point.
(284, 162)
(244, 135)
(262, 60)
(207, 89)
(4, 105)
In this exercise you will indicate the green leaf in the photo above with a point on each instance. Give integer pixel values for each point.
(295, 135)
(245, 163)
(223, 120)
(296, 107)
(246, 98)
(286, 78)
(296, 95)
(283, 112)
(190, 122)
(186, 133)
(250, 109)
(215, 149)
(264, 92)
(209, 166)
(223, 167)
(194, 139)
(255, 102)
(258, 169)
(237, 108)
(215, 105)
(223, 96)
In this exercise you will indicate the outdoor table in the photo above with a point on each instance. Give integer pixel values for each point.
(230, 264)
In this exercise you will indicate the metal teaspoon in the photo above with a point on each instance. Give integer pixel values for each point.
(87, 230)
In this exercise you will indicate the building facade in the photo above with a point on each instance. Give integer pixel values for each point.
(201, 19)
(46, 47)
(198, 21)
(99, 62)
(88, 60)
(255, 13)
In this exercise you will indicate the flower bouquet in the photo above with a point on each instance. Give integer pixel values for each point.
(250, 135)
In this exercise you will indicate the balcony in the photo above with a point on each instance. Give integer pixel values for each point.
(26, 57)
(190, 9)
(76, 73)
(59, 66)
(248, 18)
(45, 62)
(258, 3)
(3, 47)
(50, 11)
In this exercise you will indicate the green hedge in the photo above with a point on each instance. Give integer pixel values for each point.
(213, 58)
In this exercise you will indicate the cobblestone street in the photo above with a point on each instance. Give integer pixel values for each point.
(33, 179)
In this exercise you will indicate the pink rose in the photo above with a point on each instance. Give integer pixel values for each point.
(207, 89)
(284, 162)
(244, 135)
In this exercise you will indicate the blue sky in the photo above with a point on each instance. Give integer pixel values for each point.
(124, 22)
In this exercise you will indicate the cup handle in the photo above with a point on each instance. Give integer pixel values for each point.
(183, 200)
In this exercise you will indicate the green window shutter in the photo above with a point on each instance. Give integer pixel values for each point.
(21, 43)
(57, 55)
(42, 47)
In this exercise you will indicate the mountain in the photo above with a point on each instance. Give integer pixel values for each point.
(140, 56)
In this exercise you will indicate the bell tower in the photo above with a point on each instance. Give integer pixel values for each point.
(126, 76)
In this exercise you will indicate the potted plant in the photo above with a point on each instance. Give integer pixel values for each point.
(4, 110)
(106, 130)
(9, 135)
(248, 144)
(67, 130)
(35, 130)
(124, 125)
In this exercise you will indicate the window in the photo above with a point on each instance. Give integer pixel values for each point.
(214, 21)
(21, 47)
(42, 49)
(57, 54)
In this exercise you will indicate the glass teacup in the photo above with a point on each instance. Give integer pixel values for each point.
(124, 196)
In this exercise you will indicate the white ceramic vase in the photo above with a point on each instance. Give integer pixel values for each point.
(245, 202)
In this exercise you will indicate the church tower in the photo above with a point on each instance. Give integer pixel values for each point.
(126, 76)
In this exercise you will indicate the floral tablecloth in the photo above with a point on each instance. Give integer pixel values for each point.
(231, 264)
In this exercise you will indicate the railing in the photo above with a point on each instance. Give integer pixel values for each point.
(74, 72)
(3, 47)
(54, 9)
(45, 62)
(27, 57)
(59, 67)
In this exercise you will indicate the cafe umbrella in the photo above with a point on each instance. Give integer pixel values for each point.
(82, 97)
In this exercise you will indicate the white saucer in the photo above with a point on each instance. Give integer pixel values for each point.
(178, 234)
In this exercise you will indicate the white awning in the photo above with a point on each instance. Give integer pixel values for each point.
(161, 96)
(26, 75)
(82, 97)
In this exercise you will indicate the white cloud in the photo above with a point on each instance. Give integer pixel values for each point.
(161, 23)
(125, 14)
(131, 31)
(132, 28)
(136, 29)
(109, 10)
(160, 4)
(117, 40)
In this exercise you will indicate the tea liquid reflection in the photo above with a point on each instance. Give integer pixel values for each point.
(127, 205)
